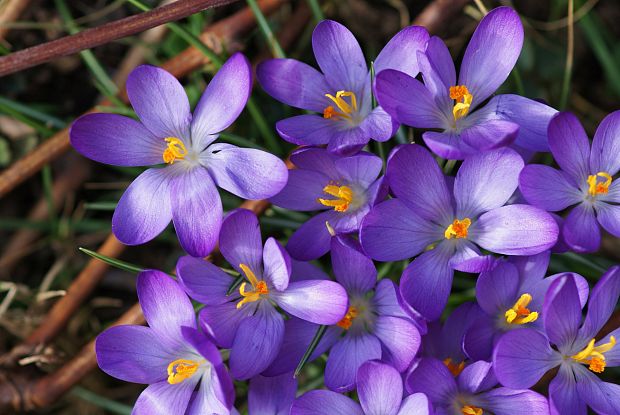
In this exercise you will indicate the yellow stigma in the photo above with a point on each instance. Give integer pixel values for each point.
(597, 188)
(175, 150)
(471, 410)
(463, 99)
(343, 194)
(453, 367)
(519, 313)
(346, 108)
(458, 229)
(258, 287)
(181, 369)
(347, 320)
(594, 355)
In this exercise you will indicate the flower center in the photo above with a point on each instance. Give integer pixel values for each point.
(458, 229)
(258, 287)
(346, 108)
(460, 94)
(597, 188)
(347, 320)
(454, 368)
(471, 410)
(182, 369)
(594, 355)
(175, 150)
(343, 194)
(519, 313)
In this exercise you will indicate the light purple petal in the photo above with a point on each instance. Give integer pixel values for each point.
(348, 141)
(312, 239)
(522, 357)
(257, 342)
(320, 302)
(302, 270)
(570, 146)
(160, 102)
(307, 129)
(608, 216)
(222, 321)
(339, 56)
(479, 338)
(432, 378)
(117, 140)
(302, 190)
(352, 268)
(202, 280)
(209, 399)
(379, 125)
(602, 397)
(400, 338)
(400, 53)
(563, 396)
(438, 73)
(547, 188)
(346, 357)
(223, 99)
(486, 181)
(581, 230)
(196, 211)
(426, 282)
(606, 145)
(277, 264)
(532, 269)
(386, 300)
(416, 179)
(515, 230)
(240, 240)
(322, 402)
(272, 395)
(380, 388)
(492, 53)
(612, 357)
(490, 134)
(246, 172)
(145, 209)
(317, 159)
(603, 300)
(417, 403)
(562, 311)
(505, 401)
(496, 290)
(448, 145)
(362, 168)
(454, 328)
(477, 377)
(163, 398)
(294, 83)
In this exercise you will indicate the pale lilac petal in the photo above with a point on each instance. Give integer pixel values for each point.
(307, 129)
(303, 270)
(522, 357)
(163, 398)
(400, 53)
(196, 211)
(492, 53)
(348, 141)
(570, 146)
(432, 378)
(505, 401)
(380, 388)
(477, 377)
(317, 159)
(496, 290)
(352, 268)
(240, 240)
(400, 338)
(117, 140)
(448, 145)
(209, 399)
(322, 402)
(202, 280)
(416, 179)
(277, 264)
(145, 209)
(612, 357)
(320, 302)
(416, 403)
(222, 321)
(602, 397)
(479, 338)
(490, 134)
(486, 181)
(608, 216)
(606, 145)
(562, 311)
(438, 72)
(386, 300)
(362, 168)
(547, 188)
(532, 269)
(346, 357)
(302, 191)
(159, 101)
(294, 83)
(515, 230)
(603, 300)
(379, 125)
(312, 239)
(272, 395)
(581, 230)
(223, 99)
(563, 396)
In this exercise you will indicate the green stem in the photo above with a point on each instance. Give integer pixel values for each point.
(316, 10)
(271, 141)
(117, 263)
(313, 345)
(97, 400)
(275, 47)
(568, 70)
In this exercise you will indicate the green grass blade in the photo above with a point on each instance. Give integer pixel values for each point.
(316, 10)
(100, 401)
(274, 45)
(320, 332)
(117, 263)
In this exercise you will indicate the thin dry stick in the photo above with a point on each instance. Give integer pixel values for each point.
(438, 13)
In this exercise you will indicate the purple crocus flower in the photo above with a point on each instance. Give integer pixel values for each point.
(472, 392)
(380, 391)
(584, 182)
(171, 355)
(443, 104)
(343, 188)
(522, 357)
(247, 321)
(425, 215)
(184, 191)
(341, 94)
(271, 395)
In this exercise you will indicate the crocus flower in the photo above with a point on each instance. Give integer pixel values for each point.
(271, 395)
(472, 392)
(342, 188)
(172, 355)
(522, 357)
(452, 107)
(425, 215)
(184, 190)
(341, 94)
(247, 321)
(380, 392)
(584, 183)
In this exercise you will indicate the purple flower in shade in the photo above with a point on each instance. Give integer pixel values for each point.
(522, 357)
(171, 355)
(424, 214)
(584, 181)
(375, 326)
(184, 190)
(472, 392)
(247, 321)
(380, 392)
(443, 104)
(342, 93)
(344, 188)
(271, 395)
